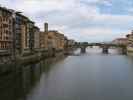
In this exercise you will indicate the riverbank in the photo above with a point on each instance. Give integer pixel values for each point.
(8, 64)
(130, 51)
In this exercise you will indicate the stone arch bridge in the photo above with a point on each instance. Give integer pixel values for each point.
(105, 46)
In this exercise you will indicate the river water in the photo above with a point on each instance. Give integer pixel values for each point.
(89, 76)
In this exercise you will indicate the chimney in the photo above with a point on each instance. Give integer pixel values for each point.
(45, 27)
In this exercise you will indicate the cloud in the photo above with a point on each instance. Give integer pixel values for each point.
(76, 18)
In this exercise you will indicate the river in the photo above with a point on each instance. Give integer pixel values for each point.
(89, 76)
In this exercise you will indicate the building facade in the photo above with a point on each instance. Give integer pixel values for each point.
(55, 40)
(30, 35)
(44, 40)
(130, 44)
(36, 37)
(20, 36)
(44, 37)
(120, 41)
(51, 39)
(24, 34)
(71, 42)
(6, 29)
(20, 26)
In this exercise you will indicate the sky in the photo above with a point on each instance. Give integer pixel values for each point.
(82, 20)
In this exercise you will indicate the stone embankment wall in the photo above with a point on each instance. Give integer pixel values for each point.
(8, 63)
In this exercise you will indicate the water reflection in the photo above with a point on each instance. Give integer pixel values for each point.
(16, 85)
(90, 76)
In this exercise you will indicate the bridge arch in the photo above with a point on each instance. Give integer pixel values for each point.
(105, 47)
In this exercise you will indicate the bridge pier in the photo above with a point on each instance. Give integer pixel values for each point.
(105, 49)
(124, 50)
(83, 49)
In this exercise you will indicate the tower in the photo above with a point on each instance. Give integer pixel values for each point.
(45, 27)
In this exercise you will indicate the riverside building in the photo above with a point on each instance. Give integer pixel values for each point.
(130, 44)
(6, 30)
